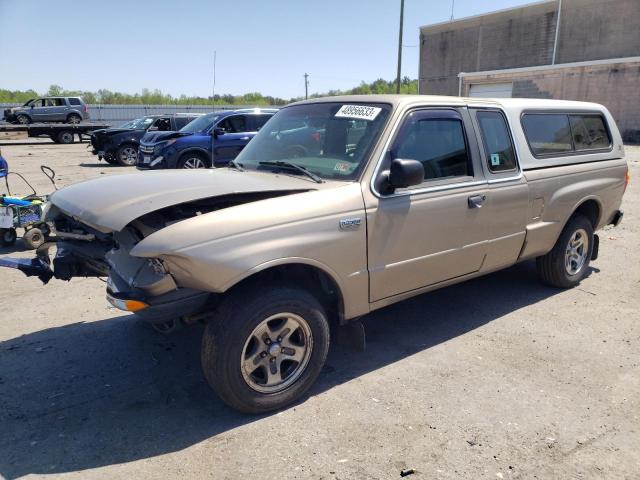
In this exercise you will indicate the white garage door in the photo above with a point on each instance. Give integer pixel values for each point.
(491, 90)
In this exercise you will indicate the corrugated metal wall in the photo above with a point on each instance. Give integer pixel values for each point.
(118, 114)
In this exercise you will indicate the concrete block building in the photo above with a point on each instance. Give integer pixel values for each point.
(585, 50)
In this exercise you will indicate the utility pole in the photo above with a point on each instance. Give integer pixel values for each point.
(400, 46)
(555, 41)
(306, 86)
(213, 90)
(453, 2)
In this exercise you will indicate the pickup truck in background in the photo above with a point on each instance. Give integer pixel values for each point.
(405, 194)
(120, 145)
(212, 140)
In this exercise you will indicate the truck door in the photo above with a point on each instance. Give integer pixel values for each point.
(438, 230)
(507, 203)
(236, 135)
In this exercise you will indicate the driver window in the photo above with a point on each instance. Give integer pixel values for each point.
(234, 124)
(161, 124)
(437, 140)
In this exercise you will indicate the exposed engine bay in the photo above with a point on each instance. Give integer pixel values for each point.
(84, 251)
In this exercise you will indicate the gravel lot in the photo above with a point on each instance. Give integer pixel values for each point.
(499, 377)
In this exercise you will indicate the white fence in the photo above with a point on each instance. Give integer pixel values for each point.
(118, 114)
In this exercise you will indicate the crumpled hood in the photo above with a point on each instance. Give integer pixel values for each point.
(155, 137)
(111, 131)
(111, 203)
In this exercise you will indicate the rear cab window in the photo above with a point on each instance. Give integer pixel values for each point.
(560, 133)
(497, 142)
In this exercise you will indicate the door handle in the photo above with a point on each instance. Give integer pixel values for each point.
(476, 201)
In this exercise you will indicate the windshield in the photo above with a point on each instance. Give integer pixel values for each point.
(139, 123)
(28, 102)
(331, 140)
(200, 124)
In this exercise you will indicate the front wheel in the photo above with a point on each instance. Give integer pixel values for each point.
(193, 160)
(127, 155)
(264, 353)
(568, 262)
(23, 120)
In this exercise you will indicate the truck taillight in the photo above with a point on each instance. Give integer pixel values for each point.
(627, 179)
(85, 109)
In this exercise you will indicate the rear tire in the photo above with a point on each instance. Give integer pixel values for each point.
(127, 155)
(193, 160)
(33, 238)
(65, 137)
(8, 236)
(74, 118)
(568, 262)
(263, 351)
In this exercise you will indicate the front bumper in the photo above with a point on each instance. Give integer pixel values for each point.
(177, 303)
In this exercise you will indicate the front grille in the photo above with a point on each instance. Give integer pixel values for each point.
(146, 149)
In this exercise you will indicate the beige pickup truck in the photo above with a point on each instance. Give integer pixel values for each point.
(338, 207)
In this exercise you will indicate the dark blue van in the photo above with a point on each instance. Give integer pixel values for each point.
(211, 140)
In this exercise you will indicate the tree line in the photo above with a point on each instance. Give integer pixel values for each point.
(156, 97)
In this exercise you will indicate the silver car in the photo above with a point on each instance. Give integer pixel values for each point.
(49, 109)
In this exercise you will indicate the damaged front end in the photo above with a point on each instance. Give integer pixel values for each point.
(97, 224)
(139, 285)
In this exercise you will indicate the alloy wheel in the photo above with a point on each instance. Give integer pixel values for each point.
(576, 252)
(276, 353)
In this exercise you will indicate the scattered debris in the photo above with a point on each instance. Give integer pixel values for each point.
(407, 471)
(472, 443)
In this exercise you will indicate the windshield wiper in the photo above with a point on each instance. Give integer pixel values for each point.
(293, 166)
(236, 165)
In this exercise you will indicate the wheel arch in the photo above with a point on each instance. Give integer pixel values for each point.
(310, 274)
(191, 150)
(591, 208)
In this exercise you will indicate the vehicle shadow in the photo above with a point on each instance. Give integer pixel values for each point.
(86, 395)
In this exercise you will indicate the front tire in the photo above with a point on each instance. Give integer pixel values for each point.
(23, 119)
(568, 262)
(264, 352)
(127, 155)
(193, 160)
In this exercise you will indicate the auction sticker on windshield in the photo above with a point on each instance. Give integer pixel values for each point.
(361, 112)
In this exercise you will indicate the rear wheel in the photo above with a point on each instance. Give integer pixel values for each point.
(193, 160)
(65, 137)
(568, 262)
(33, 238)
(8, 236)
(23, 119)
(74, 118)
(264, 352)
(127, 155)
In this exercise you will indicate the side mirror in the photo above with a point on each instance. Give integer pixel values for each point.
(217, 131)
(32, 105)
(403, 174)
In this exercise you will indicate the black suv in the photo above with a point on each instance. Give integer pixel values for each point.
(120, 145)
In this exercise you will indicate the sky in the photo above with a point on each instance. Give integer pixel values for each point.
(261, 46)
